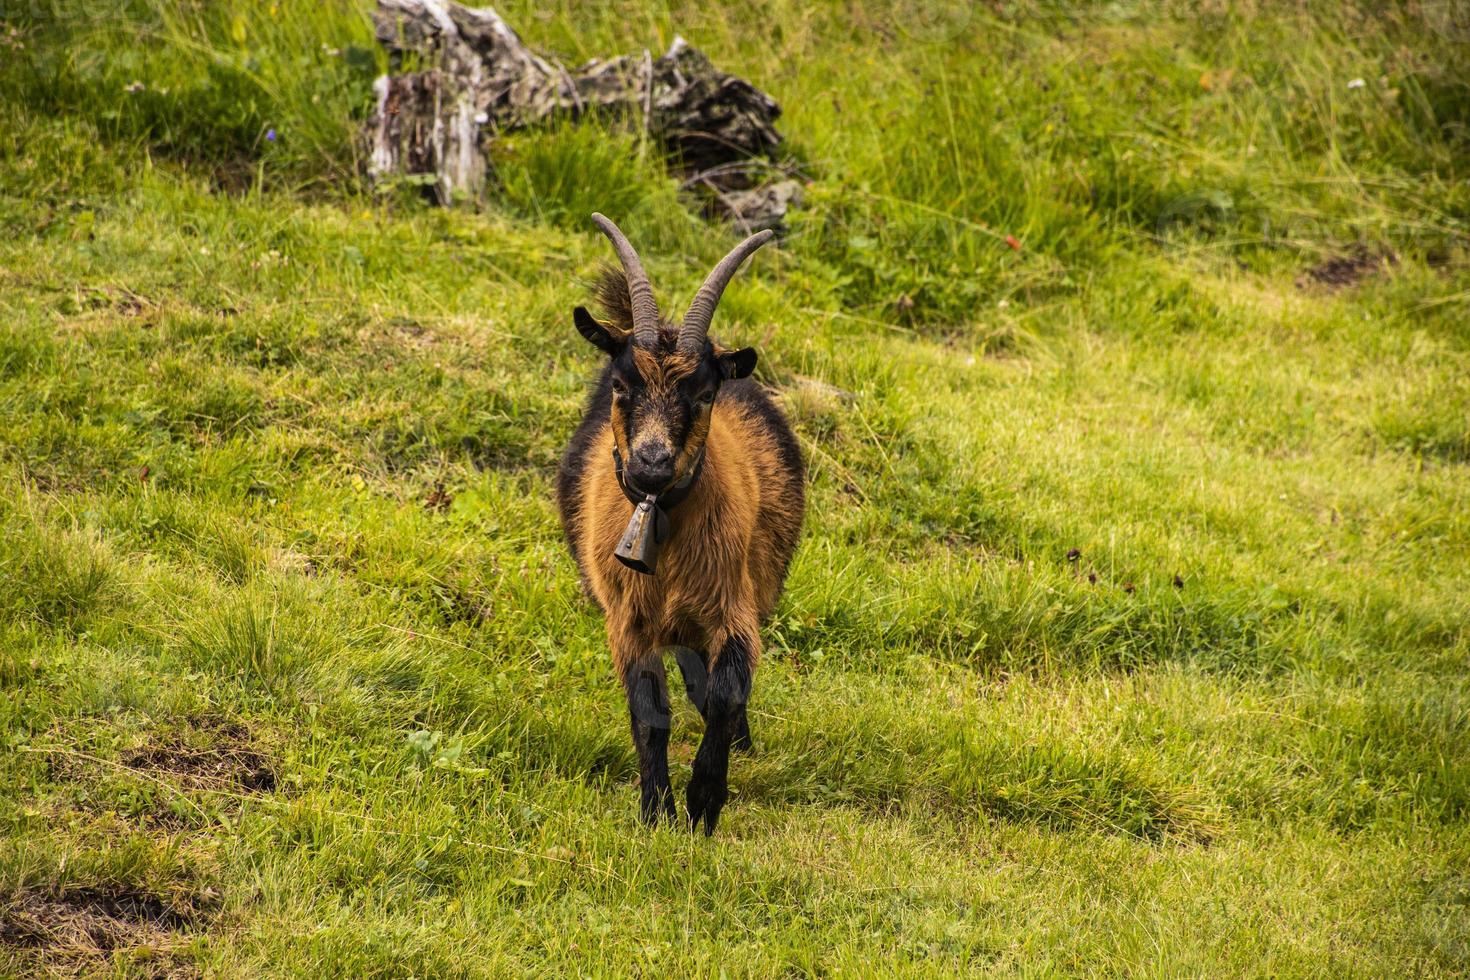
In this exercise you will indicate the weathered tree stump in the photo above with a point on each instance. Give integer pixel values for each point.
(460, 75)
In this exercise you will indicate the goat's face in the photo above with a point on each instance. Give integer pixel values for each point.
(663, 382)
(661, 400)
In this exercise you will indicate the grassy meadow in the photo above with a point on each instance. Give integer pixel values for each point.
(1128, 634)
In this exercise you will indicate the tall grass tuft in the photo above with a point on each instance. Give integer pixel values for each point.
(56, 578)
(252, 643)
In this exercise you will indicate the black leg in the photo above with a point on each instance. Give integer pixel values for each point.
(694, 668)
(741, 741)
(648, 708)
(724, 706)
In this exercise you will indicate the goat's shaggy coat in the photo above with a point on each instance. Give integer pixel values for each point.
(731, 539)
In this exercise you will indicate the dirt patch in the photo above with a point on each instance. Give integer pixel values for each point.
(397, 334)
(293, 562)
(439, 499)
(208, 755)
(120, 300)
(78, 931)
(1342, 271)
(459, 605)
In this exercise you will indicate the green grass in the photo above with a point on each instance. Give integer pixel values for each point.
(1229, 738)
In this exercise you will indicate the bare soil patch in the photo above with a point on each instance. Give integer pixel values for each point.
(210, 755)
(1342, 271)
(77, 932)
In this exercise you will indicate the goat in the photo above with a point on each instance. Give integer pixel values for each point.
(681, 496)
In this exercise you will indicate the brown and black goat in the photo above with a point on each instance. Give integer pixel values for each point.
(681, 495)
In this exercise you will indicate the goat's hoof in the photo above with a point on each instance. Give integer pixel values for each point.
(706, 798)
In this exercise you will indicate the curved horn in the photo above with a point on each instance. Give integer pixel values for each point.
(645, 310)
(702, 309)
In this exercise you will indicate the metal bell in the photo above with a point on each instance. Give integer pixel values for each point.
(646, 530)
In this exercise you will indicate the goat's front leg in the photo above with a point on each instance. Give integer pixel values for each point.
(693, 665)
(648, 711)
(726, 693)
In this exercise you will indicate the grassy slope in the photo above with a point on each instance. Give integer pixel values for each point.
(221, 415)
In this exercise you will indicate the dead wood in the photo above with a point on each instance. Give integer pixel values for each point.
(461, 75)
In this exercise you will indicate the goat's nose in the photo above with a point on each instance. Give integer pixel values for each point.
(655, 455)
(655, 463)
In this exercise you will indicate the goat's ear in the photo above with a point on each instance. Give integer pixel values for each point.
(598, 334)
(736, 363)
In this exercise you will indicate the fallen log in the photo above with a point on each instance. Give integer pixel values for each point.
(460, 75)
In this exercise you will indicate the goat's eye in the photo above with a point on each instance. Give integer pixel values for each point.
(706, 398)
(618, 387)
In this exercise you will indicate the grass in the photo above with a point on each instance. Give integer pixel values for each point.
(1129, 628)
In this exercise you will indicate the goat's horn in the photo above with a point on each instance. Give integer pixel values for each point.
(645, 310)
(702, 309)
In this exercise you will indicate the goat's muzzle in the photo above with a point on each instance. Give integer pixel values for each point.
(649, 526)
